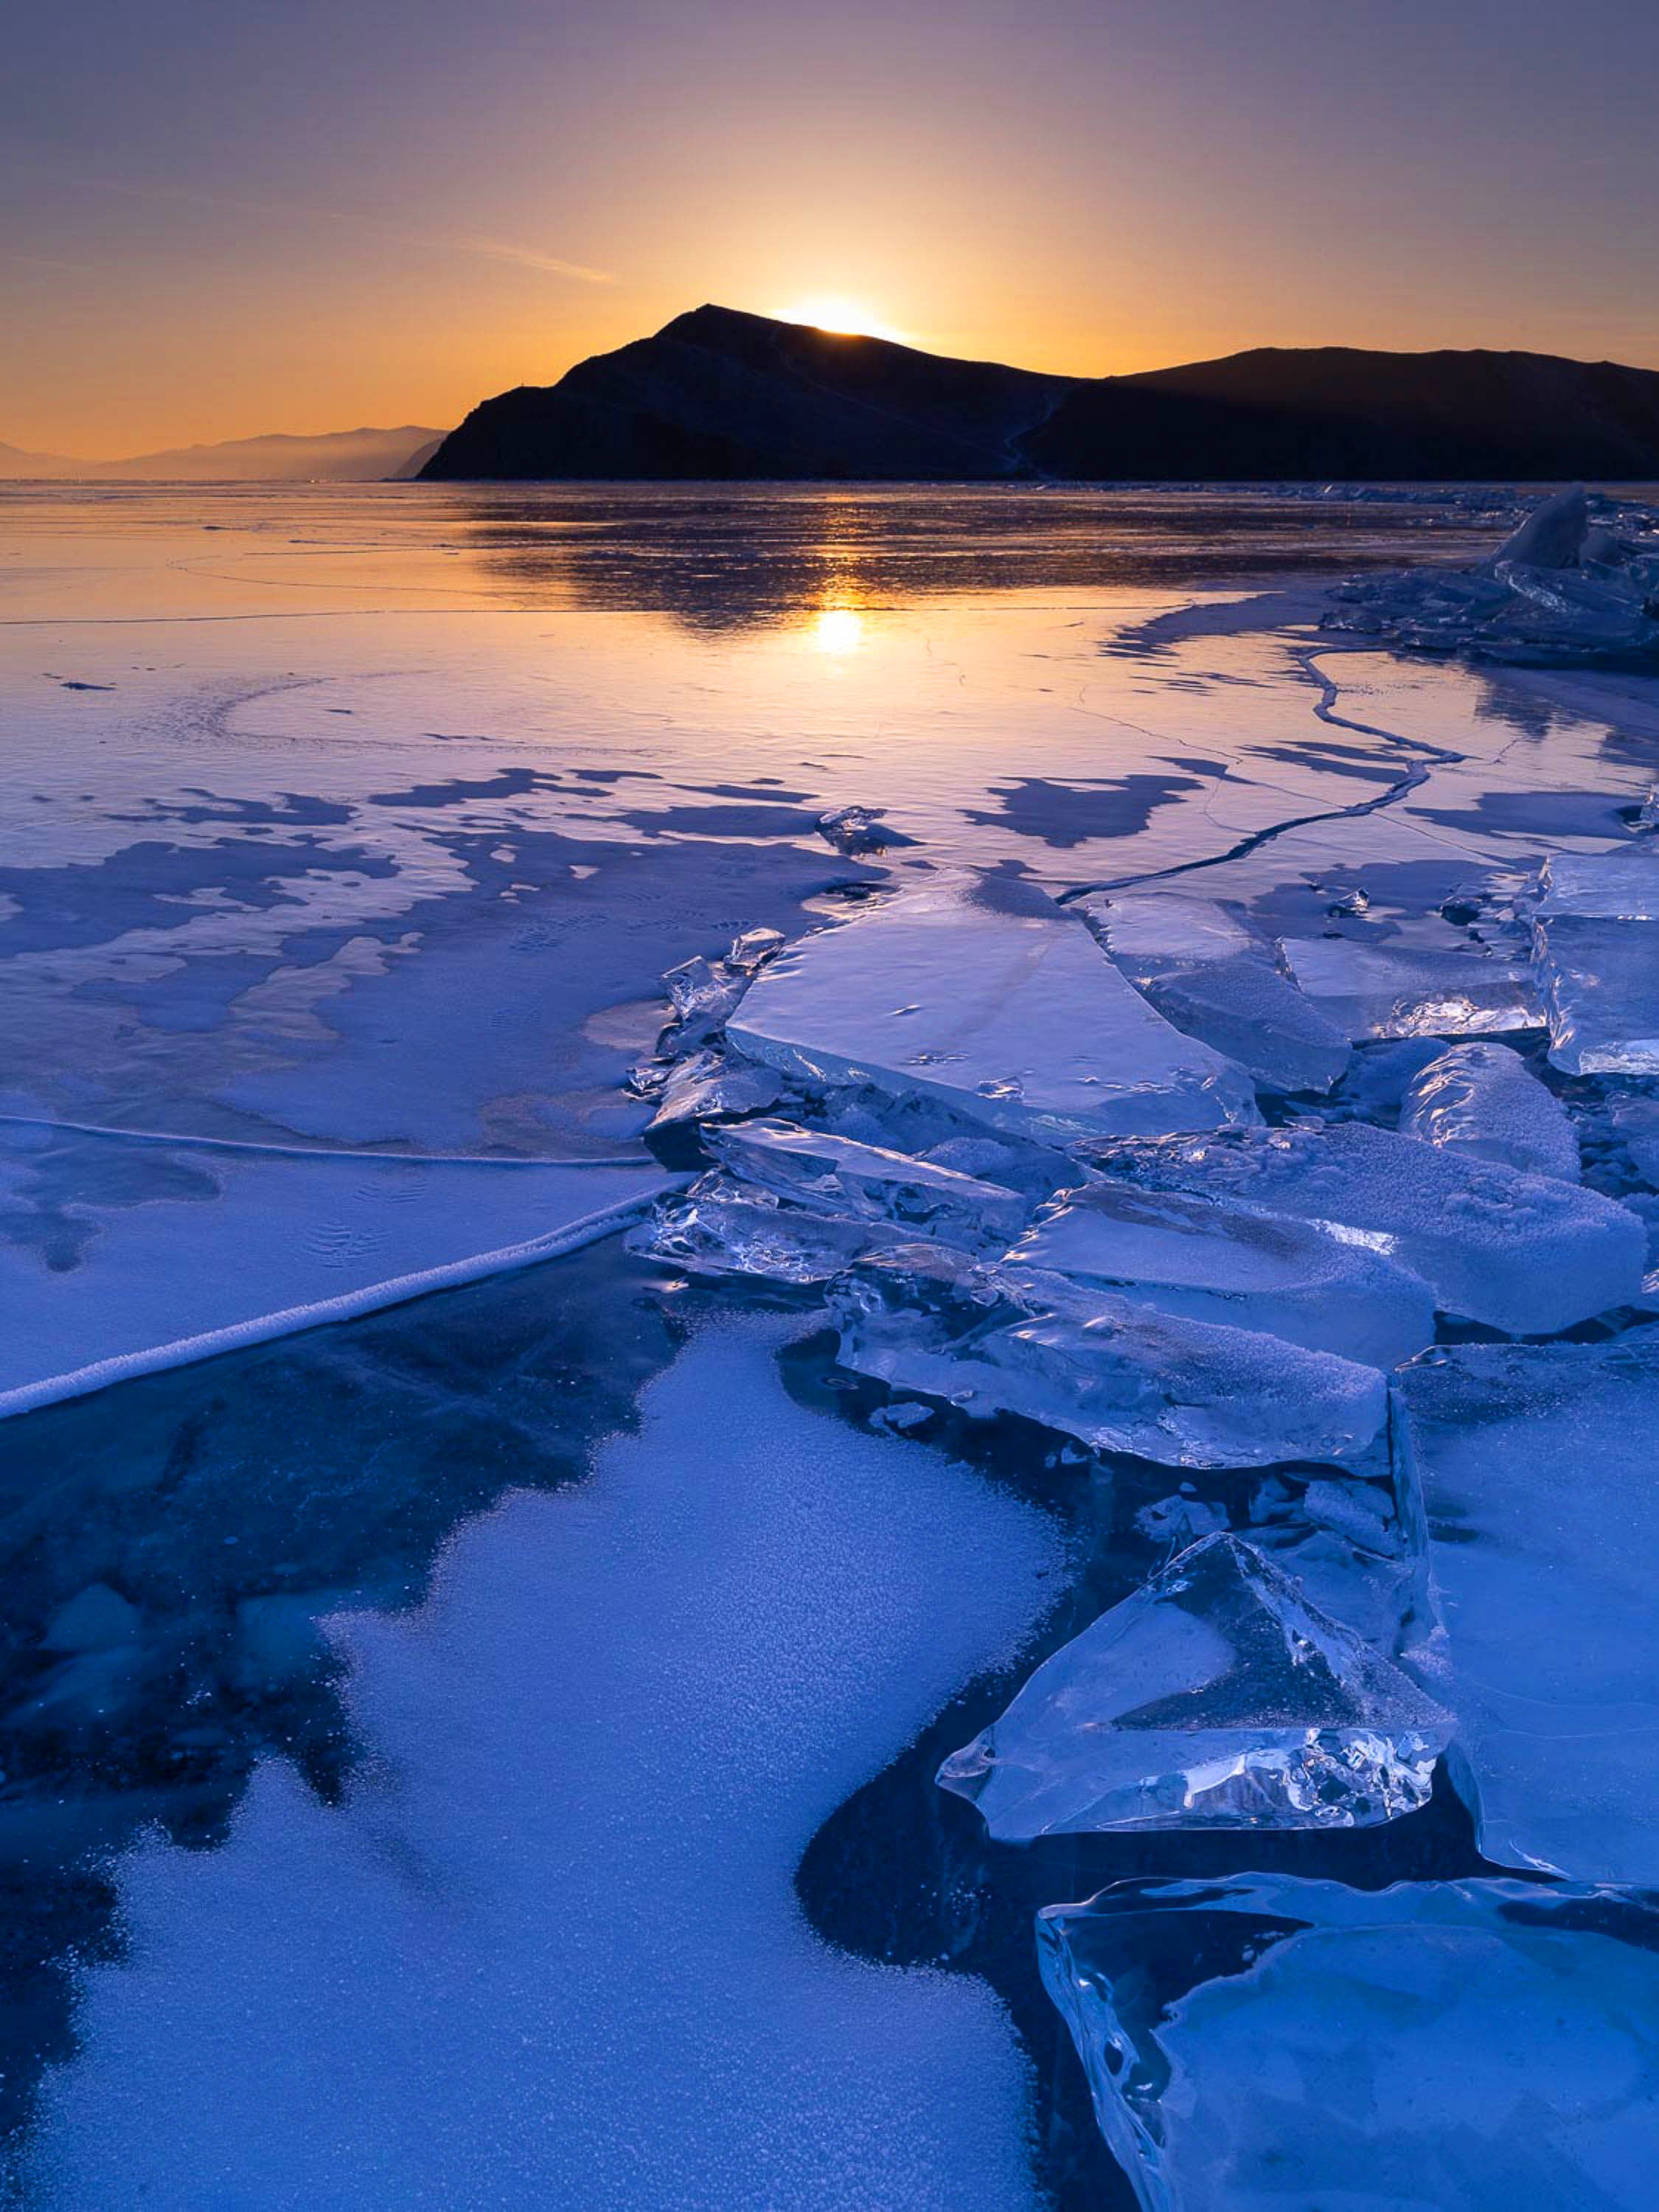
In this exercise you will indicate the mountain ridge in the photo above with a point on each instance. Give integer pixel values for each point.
(362, 455)
(723, 394)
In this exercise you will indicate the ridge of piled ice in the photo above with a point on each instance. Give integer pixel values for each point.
(1564, 589)
(1209, 972)
(1387, 989)
(1216, 1696)
(979, 990)
(1269, 2045)
(1117, 1376)
(829, 1174)
(1483, 1099)
(1600, 982)
(1526, 1470)
(1524, 1252)
(721, 1226)
(1209, 1260)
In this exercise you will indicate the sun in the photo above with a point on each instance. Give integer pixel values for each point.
(834, 312)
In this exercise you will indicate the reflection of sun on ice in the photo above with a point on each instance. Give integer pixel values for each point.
(837, 630)
(827, 311)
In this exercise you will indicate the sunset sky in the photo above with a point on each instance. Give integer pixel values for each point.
(312, 214)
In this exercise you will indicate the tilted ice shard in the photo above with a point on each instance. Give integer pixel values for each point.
(1391, 990)
(719, 1227)
(1601, 980)
(1211, 1259)
(979, 991)
(1524, 1252)
(1637, 1120)
(710, 1087)
(1620, 886)
(1528, 1469)
(1210, 972)
(1216, 1696)
(1113, 1374)
(834, 1175)
(1551, 536)
(1264, 2044)
(1483, 1099)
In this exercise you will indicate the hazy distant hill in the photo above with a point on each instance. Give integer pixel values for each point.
(717, 393)
(337, 456)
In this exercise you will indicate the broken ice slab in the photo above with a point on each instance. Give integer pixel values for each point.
(1209, 972)
(1216, 1696)
(1481, 1098)
(1116, 1376)
(1391, 990)
(1527, 1467)
(1523, 1253)
(835, 1175)
(1637, 1120)
(1268, 2045)
(979, 991)
(1211, 1259)
(720, 1227)
(708, 1087)
(856, 830)
(1620, 886)
(1601, 980)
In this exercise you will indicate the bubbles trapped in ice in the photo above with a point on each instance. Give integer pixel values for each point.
(1216, 1696)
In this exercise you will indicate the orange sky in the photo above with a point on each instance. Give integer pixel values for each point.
(319, 217)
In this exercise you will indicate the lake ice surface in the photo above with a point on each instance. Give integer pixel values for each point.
(350, 831)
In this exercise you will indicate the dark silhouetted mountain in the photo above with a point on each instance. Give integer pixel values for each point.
(334, 456)
(720, 394)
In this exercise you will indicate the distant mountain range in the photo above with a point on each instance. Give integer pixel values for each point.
(338, 457)
(717, 393)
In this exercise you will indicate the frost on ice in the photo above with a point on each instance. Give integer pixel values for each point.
(1524, 1252)
(1209, 1259)
(1260, 2044)
(1483, 1099)
(979, 991)
(1533, 1486)
(500, 1974)
(1216, 1696)
(1113, 1374)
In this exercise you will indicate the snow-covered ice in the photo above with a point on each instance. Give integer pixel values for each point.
(1216, 1696)
(548, 1952)
(979, 991)
(1481, 1098)
(1212, 1259)
(1260, 2044)
(1117, 1375)
(1207, 971)
(1525, 1253)
(1531, 1479)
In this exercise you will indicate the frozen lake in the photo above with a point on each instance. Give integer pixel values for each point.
(349, 833)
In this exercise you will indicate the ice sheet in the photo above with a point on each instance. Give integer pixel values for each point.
(1600, 982)
(1541, 1516)
(1262, 2044)
(484, 1980)
(1215, 1261)
(1216, 1696)
(981, 991)
(1524, 1252)
(117, 1256)
(1386, 989)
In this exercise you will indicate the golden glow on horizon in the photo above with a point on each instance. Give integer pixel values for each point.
(845, 318)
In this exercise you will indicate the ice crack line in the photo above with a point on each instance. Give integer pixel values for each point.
(1417, 772)
(325, 1151)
